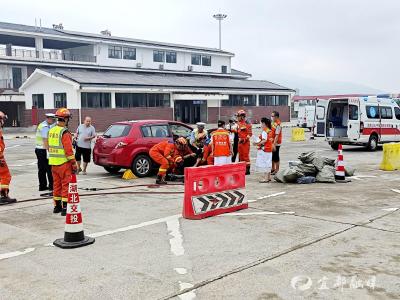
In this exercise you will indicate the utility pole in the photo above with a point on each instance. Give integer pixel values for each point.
(219, 17)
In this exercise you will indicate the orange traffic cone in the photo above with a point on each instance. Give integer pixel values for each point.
(73, 235)
(340, 174)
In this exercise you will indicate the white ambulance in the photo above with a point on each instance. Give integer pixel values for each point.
(365, 121)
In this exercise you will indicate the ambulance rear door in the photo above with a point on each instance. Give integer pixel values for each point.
(321, 107)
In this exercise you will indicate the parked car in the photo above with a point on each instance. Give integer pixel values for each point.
(127, 144)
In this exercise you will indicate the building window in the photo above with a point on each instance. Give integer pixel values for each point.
(60, 100)
(224, 69)
(273, 100)
(158, 56)
(196, 59)
(206, 60)
(129, 53)
(96, 100)
(240, 100)
(126, 100)
(170, 57)
(114, 52)
(38, 100)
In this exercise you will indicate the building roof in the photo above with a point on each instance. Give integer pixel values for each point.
(240, 73)
(75, 34)
(133, 79)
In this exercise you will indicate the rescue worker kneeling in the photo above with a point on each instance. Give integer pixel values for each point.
(62, 160)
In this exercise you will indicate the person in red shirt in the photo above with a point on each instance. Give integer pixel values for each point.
(277, 129)
(5, 176)
(163, 154)
(264, 153)
(221, 145)
(244, 133)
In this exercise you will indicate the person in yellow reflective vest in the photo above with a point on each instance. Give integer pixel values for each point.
(42, 146)
(62, 160)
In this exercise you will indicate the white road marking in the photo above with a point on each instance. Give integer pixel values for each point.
(180, 271)
(16, 253)
(14, 146)
(24, 165)
(131, 227)
(258, 213)
(272, 195)
(396, 191)
(176, 241)
(189, 295)
(390, 209)
(366, 176)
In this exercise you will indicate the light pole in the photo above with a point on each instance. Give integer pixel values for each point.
(219, 17)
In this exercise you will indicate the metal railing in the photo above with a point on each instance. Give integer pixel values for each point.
(46, 55)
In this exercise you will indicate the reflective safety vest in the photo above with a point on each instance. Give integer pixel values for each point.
(199, 136)
(274, 125)
(221, 142)
(39, 138)
(56, 149)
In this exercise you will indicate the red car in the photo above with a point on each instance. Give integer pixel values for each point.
(127, 144)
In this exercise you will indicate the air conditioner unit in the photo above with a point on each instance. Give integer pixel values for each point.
(138, 65)
(161, 67)
(190, 68)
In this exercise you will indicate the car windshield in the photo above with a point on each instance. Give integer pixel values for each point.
(117, 130)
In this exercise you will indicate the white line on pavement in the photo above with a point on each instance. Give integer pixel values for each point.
(271, 195)
(189, 295)
(131, 227)
(16, 253)
(258, 213)
(180, 271)
(176, 241)
(14, 146)
(390, 209)
(396, 191)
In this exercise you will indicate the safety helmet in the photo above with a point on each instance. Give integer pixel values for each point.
(63, 113)
(241, 112)
(181, 141)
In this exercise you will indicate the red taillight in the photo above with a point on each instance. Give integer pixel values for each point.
(361, 127)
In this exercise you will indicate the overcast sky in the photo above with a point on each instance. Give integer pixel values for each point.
(318, 46)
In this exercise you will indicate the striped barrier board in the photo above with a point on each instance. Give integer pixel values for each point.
(214, 190)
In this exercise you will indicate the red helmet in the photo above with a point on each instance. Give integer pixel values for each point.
(181, 141)
(241, 112)
(63, 113)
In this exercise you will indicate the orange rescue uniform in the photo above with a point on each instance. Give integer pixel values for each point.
(5, 176)
(270, 140)
(208, 158)
(62, 173)
(244, 133)
(163, 154)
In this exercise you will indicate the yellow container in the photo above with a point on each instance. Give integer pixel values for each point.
(391, 157)
(298, 135)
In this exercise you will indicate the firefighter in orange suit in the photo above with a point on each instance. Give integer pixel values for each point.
(163, 154)
(62, 160)
(5, 176)
(221, 145)
(208, 158)
(244, 133)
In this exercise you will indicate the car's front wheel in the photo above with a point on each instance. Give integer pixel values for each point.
(142, 165)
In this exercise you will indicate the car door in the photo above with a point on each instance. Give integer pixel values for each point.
(321, 107)
(354, 118)
(154, 134)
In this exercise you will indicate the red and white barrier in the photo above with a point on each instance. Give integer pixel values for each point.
(74, 236)
(214, 190)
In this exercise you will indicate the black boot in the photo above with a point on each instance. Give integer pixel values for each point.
(248, 170)
(160, 179)
(5, 199)
(57, 208)
(64, 209)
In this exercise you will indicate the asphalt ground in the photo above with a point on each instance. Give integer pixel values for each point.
(316, 241)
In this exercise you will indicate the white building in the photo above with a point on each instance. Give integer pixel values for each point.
(126, 77)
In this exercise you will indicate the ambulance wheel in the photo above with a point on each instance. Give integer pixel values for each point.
(112, 170)
(372, 143)
(335, 146)
(142, 165)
